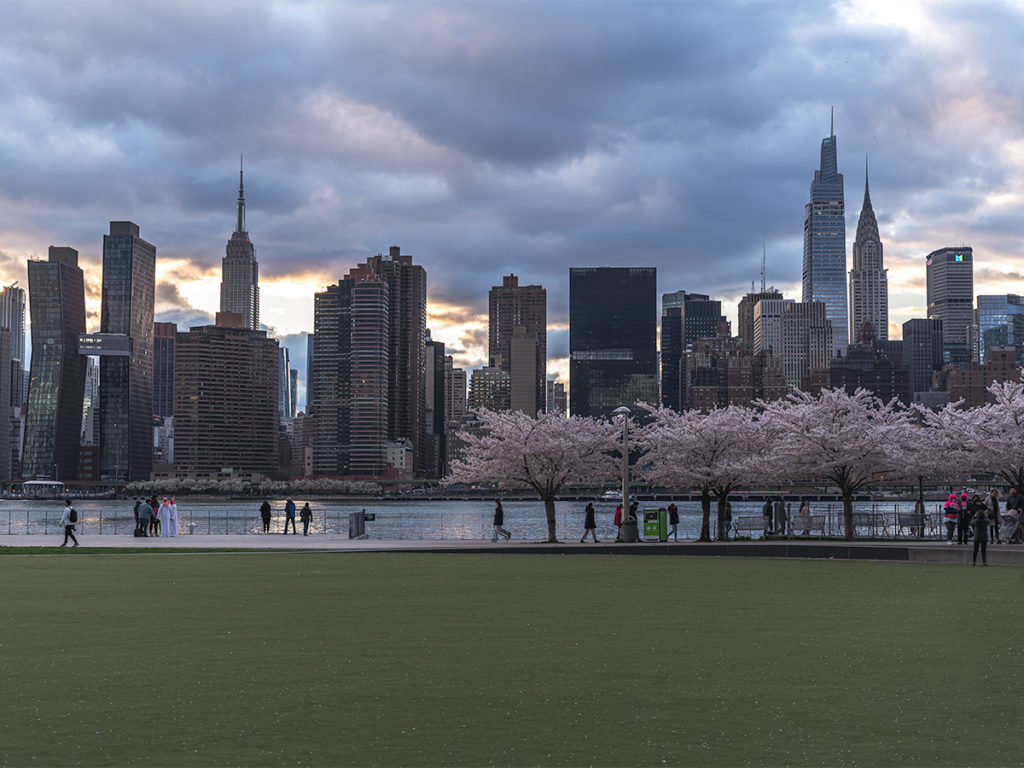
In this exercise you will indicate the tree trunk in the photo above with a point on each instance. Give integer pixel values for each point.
(705, 508)
(549, 510)
(723, 528)
(848, 529)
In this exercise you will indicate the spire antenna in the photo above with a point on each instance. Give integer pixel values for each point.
(764, 253)
(832, 124)
(240, 223)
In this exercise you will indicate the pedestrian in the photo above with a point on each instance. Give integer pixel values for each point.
(992, 502)
(589, 524)
(265, 515)
(68, 520)
(979, 519)
(781, 517)
(766, 515)
(950, 513)
(728, 520)
(305, 515)
(173, 518)
(618, 522)
(165, 518)
(145, 518)
(289, 515)
(154, 521)
(135, 511)
(1012, 518)
(499, 522)
(963, 520)
(673, 520)
(804, 516)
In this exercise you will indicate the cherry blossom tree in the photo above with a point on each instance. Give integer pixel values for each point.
(987, 439)
(848, 440)
(708, 451)
(544, 453)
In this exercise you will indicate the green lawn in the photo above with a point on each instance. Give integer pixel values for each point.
(429, 659)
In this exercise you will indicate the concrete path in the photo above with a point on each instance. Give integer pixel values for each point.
(908, 551)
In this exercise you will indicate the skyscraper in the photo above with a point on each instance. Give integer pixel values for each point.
(284, 385)
(329, 387)
(869, 288)
(806, 342)
(512, 306)
(125, 346)
(57, 377)
(233, 424)
(950, 278)
(824, 268)
(240, 272)
(163, 369)
(407, 312)
(613, 323)
(368, 431)
(922, 351)
(686, 318)
(1000, 323)
(435, 407)
(745, 314)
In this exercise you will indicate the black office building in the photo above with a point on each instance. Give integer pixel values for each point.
(922, 351)
(613, 321)
(686, 318)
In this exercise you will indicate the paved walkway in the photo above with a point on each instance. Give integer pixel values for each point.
(906, 551)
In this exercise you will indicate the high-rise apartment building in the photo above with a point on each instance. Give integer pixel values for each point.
(293, 390)
(233, 424)
(454, 392)
(950, 279)
(370, 331)
(824, 267)
(12, 317)
(922, 351)
(240, 272)
(806, 342)
(91, 403)
(613, 325)
(869, 285)
(57, 376)
(407, 295)
(510, 307)
(284, 385)
(490, 388)
(434, 444)
(329, 388)
(686, 317)
(768, 325)
(125, 347)
(164, 335)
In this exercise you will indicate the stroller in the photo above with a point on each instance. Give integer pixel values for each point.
(1011, 532)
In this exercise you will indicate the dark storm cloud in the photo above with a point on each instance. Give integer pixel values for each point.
(489, 138)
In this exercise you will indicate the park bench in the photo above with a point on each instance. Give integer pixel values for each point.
(912, 520)
(748, 523)
(872, 520)
(809, 524)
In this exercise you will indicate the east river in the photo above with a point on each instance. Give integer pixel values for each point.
(401, 519)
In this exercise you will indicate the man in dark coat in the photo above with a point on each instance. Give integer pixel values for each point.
(766, 513)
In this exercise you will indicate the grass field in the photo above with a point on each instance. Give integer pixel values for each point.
(428, 659)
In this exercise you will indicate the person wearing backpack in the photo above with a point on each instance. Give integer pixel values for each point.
(68, 520)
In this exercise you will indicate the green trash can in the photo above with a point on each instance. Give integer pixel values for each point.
(655, 525)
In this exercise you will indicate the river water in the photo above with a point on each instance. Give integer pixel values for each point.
(401, 519)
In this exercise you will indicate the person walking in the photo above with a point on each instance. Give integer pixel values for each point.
(499, 522)
(589, 524)
(305, 515)
(979, 519)
(173, 517)
(803, 515)
(289, 515)
(950, 513)
(1012, 517)
(618, 522)
(68, 520)
(992, 502)
(135, 511)
(265, 515)
(673, 521)
(766, 515)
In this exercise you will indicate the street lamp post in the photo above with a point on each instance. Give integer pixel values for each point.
(628, 532)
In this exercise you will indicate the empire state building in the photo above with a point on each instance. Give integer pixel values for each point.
(240, 272)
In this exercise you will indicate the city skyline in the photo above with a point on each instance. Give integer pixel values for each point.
(554, 136)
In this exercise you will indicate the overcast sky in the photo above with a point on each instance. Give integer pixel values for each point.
(493, 137)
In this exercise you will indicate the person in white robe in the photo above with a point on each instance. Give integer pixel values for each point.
(174, 517)
(165, 518)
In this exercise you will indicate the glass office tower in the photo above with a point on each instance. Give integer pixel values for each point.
(824, 268)
(57, 376)
(613, 321)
